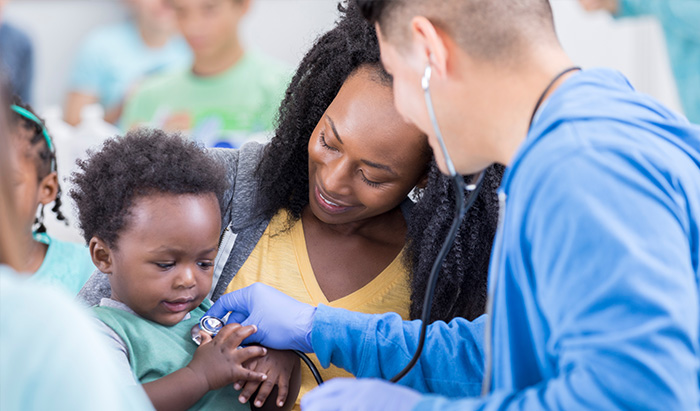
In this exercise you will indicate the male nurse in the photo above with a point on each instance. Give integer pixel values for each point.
(594, 274)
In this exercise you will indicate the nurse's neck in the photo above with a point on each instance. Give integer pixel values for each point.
(520, 90)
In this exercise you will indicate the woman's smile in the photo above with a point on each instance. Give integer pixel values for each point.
(328, 203)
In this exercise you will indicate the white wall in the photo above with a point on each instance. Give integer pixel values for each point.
(636, 47)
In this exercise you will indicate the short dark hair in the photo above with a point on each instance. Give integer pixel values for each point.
(142, 162)
(486, 29)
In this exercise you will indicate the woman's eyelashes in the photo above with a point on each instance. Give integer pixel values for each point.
(324, 144)
(368, 181)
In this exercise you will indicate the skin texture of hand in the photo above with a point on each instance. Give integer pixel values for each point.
(283, 373)
(346, 394)
(219, 361)
(610, 6)
(283, 323)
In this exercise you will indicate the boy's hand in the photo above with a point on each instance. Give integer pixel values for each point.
(279, 366)
(219, 361)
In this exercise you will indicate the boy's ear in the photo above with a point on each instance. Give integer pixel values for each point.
(48, 188)
(101, 255)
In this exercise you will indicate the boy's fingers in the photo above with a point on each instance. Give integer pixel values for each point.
(234, 336)
(247, 353)
(282, 392)
(265, 389)
(205, 337)
(248, 375)
(226, 331)
(248, 390)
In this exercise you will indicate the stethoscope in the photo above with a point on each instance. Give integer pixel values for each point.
(462, 206)
(461, 209)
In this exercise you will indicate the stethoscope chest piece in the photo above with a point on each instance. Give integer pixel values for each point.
(208, 324)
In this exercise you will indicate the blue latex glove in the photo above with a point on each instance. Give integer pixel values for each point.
(349, 394)
(283, 322)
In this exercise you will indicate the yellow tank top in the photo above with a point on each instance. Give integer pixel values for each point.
(280, 260)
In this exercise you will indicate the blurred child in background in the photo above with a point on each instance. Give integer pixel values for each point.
(114, 58)
(228, 96)
(16, 57)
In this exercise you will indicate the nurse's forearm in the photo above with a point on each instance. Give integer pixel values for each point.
(380, 346)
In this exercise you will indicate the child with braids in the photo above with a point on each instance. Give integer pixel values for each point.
(51, 261)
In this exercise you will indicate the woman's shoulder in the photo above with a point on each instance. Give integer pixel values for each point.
(239, 200)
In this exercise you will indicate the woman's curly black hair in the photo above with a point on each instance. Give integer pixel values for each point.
(142, 162)
(284, 180)
(461, 287)
(283, 170)
(44, 158)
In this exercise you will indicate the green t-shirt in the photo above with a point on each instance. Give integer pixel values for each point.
(224, 110)
(156, 350)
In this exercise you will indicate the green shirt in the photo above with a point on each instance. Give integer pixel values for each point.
(156, 350)
(224, 110)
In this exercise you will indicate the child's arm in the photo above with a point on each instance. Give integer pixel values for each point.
(283, 371)
(216, 363)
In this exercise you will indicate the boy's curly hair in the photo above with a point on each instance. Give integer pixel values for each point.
(142, 162)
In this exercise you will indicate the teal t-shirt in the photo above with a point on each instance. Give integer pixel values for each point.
(66, 265)
(224, 110)
(156, 350)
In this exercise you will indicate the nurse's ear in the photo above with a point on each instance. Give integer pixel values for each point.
(430, 42)
(102, 255)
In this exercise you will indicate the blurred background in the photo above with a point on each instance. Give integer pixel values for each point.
(284, 30)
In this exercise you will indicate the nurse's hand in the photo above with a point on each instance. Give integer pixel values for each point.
(346, 394)
(283, 322)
